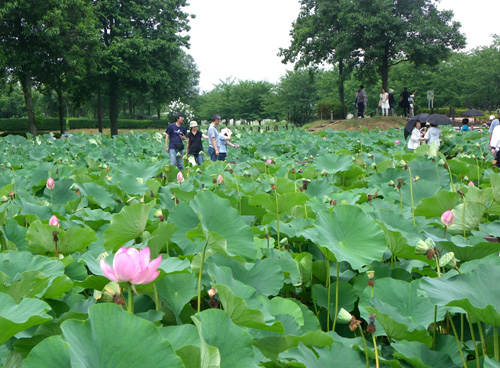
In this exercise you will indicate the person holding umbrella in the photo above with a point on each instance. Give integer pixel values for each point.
(433, 135)
(415, 137)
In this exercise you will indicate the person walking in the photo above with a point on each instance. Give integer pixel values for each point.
(392, 102)
(404, 103)
(361, 100)
(176, 133)
(194, 142)
(213, 138)
(384, 102)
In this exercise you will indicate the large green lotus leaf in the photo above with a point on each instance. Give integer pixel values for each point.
(15, 318)
(241, 314)
(14, 264)
(181, 336)
(224, 275)
(131, 185)
(223, 344)
(347, 296)
(41, 239)
(160, 238)
(475, 292)
(283, 204)
(184, 217)
(127, 225)
(139, 170)
(319, 188)
(279, 305)
(27, 208)
(495, 186)
(469, 220)
(465, 250)
(397, 243)
(289, 266)
(217, 216)
(419, 355)
(52, 352)
(176, 290)
(435, 206)
(284, 185)
(332, 163)
(98, 195)
(113, 337)
(349, 234)
(336, 355)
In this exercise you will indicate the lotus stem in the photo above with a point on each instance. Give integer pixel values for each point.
(238, 190)
(337, 287)
(328, 287)
(130, 294)
(157, 301)
(437, 265)
(483, 341)
(199, 276)
(401, 201)
(451, 180)
(305, 210)
(434, 330)
(463, 218)
(473, 339)
(462, 328)
(277, 216)
(495, 343)
(366, 347)
(376, 351)
(456, 339)
(411, 195)
(437, 172)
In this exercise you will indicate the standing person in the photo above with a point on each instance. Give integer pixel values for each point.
(411, 102)
(403, 102)
(415, 137)
(392, 102)
(465, 125)
(213, 138)
(494, 123)
(495, 145)
(384, 102)
(225, 136)
(361, 100)
(433, 135)
(176, 133)
(194, 143)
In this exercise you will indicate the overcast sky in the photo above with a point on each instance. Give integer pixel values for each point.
(240, 39)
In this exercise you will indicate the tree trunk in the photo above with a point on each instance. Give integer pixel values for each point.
(130, 112)
(99, 109)
(158, 113)
(60, 110)
(113, 105)
(341, 89)
(25, 80)
(385, 68)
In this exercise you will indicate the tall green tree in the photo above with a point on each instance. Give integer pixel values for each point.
(323, 33)
(142, 42)
(35, 37)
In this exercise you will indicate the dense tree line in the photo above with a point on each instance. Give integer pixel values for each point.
(89, 59)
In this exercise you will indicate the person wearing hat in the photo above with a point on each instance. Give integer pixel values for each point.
(225, 136)
(194, 142)
(176, 133)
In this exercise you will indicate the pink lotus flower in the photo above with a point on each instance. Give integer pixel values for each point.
(54, 221)
(132, 265)
(180, 177)
(324, 138)
(397, 143)
(447, 218)
(50, 184)
(220, 179)
(269, 162)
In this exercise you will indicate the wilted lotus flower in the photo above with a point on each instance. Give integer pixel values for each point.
(50, 184)
(220, 179)
(447, 218)
(180, 177)
(54, 221)
(212, 292)
(132, 265)
(397, 143)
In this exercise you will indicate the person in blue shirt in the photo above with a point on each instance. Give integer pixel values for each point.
(176, 133)
(465, 126)
(224, 137)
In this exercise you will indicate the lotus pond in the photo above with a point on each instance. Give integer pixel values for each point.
(336, 249)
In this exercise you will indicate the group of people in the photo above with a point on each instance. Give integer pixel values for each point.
(177, 135)
(387, 102)
(427, 134)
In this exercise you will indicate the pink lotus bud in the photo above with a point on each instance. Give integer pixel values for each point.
(180, 177)
(324, 138)
(269, 162)
(50, 184)
(54, 221)
(220, 179)
(447, 218)
(397, 143)
(132, 265)
(471, 183)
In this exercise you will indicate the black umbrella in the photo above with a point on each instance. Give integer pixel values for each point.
(410, 124)
(472, 112)
(438, 119)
